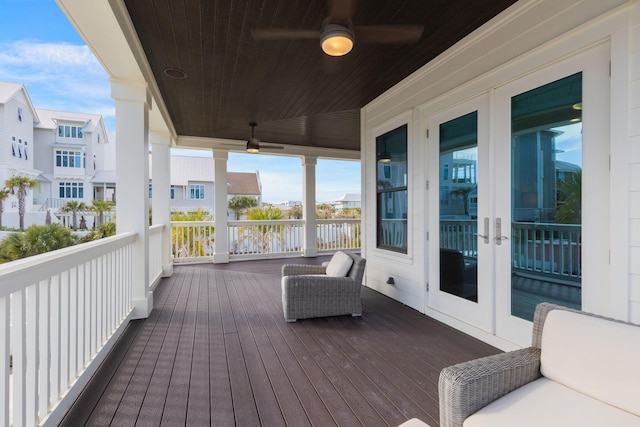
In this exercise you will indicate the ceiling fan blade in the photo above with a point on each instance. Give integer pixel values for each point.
(341, 11)
(283, 34)
(390, 34)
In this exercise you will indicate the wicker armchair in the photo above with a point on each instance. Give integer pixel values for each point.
(308, 292)
(467, 387)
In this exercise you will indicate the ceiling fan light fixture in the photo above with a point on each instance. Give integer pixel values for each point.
(385, 157)
(336, 40)
(253, 144)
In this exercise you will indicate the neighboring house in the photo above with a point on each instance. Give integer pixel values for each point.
(348, 201)
(17, 120)
(243, 184)
(72, 150)
(192, 182)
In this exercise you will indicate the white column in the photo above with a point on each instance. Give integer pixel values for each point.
(309, 206)
(132, 102)
(161, 200)
(221, 245)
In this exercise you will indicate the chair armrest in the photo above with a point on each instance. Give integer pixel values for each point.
(297, 269)
(467, 387)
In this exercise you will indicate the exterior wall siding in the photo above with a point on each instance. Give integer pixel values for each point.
(634, 134)
(505, 49)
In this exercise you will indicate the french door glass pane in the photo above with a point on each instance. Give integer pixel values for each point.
(459, 206)
(546, 174)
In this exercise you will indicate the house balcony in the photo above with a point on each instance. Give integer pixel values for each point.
(214, 349)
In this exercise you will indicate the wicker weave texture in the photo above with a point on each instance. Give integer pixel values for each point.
(307, 293)
(467, 387)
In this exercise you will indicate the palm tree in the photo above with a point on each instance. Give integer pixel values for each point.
(188, 240)
(295, 212)
(464, 192)
(324, 211)
(4, 193)
(100, 207)
(20, 184)
(263, 235)
(37, 239)
(74, 207)
(239, 203)
(569, 205)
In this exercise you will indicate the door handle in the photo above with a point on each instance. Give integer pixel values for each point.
(485, 236)
(499, 237)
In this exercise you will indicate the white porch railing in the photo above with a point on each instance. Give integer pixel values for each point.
(265, 238)
(553, 250)
(193, 241)
(61, 313)
(339, 234)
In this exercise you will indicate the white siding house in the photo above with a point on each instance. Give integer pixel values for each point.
(71, 149)
(192, 184)
(17, 120)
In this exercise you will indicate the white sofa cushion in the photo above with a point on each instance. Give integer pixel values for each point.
(597, 357)
(339, 265)
(546, 403)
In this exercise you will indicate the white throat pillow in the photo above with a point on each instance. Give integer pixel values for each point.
(339, 265)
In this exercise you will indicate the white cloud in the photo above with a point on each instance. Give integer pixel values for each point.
(58, 76)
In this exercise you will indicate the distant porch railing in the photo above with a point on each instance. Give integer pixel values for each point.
(193, 241)
(540, 249)
(61, 312)
(553, 250)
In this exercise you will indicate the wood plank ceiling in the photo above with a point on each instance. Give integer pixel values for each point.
(296, 93)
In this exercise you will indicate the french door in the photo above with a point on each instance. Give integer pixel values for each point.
(512, 226)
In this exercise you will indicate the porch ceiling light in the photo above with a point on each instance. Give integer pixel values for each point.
(336, 40)
(253, 144)
(385, 157)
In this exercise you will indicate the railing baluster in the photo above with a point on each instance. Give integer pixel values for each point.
(19, 353)
(32, 312)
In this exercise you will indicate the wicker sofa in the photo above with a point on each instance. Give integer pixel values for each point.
(307, 290)
(581, 370)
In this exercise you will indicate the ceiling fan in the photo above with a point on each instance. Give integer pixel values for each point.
(253, 144)
(338, 35)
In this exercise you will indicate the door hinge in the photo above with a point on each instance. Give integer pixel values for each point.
(427, 236)
(427, 184)
(609, 68)
(427, 286)
(427, 133)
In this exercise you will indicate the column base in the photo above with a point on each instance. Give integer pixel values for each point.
(310, 252)
(167, 270)
(142, 307)
(222, 258)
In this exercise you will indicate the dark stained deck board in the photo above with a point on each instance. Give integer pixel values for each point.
(217, 351)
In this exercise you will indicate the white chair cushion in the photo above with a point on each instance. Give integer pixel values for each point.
(546, 403)
(339, 265)
(594, 356)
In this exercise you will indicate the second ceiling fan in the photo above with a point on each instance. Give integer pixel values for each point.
(338, 35)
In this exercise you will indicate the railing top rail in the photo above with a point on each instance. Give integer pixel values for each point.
(156, 228)
(547, 225)
(15, 275)
(266, 222)
(338, 220)
(194, 223)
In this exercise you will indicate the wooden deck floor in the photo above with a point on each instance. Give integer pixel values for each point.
(217, 351)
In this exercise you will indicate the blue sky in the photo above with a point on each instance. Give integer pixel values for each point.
(41, 49)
